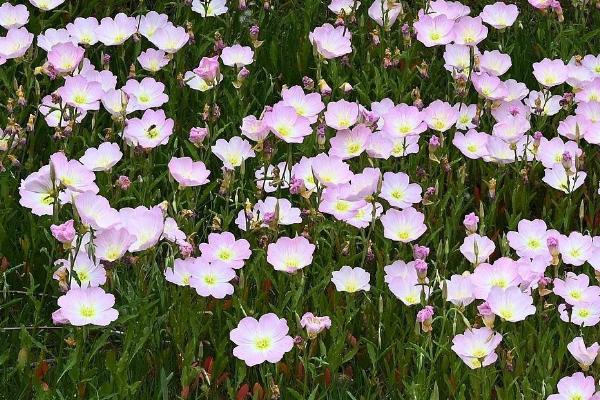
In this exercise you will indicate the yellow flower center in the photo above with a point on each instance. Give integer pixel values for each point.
(87, 311)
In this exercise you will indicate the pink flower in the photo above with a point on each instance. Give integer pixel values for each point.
(254, 129)
(550, 152)
(510, 304)
(65, 57)
(224, 248)
(86, 272)
(88, 306)
(476, 347)
(503, 274)
(37, 192)
(13, 16)
(550, 73)
(469, 31)
(212, 279)
(103, 158)
(170, 38)
(530, 239)
(466, 115)
(385, 13)
(582, 314)
(584, 355)
(52, 37)
(402, 121)
(115, 31)
(470, 222)
(404, 226)
(494, 62)
(576, 289)
(499, 15)
(95, 211)
(306, 105)
(208, 69)
(146, 224)
(286, 124)
(350, 143)
(489, 86)
(511, 130)
(271, 183)
(339, 202)
(188, 173)
(112, 244)
(351, 280)
(210, 8)
(72, 174)
(264, 340)
(146, 94)
(152, 130)
(477, 249)
(341, 114)
(472, 144)
(397, 190)
(151, 22)
(459, 290)
(83, 30)
(153, 60)
(237, 56)
(558, 178)
(15, 44)
(181, 272)
(408, 292)
(232, 153)
(79, 92)
(434, 31)
(576, 386)
(440, 116)
(64, 233)
(264, 212)
(451, 9)
(290, 254)
(331, 42)
(330, 170)
(197, 135)
(46, 5)
(314, 325)
(172, 233)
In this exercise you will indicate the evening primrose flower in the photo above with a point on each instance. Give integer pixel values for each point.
(510, 304)
(95, 211)
(584, 355)
(385, 13)
(88, 306)
(149, 93)
(151, 22)
(88, 272)
(112, 243)
(409, 293)
(72, 174)
(51, 37)
(270, 183)
(402, 121)
(268, 211)
(37, 192)
(434, 31)
(477, 249)
(440, 116)
(499, 15)
(338, 201)
(331, 42)
(103, 158)
(550, 73)
(224, 248)
(314, 325)
(150, 131)
(188, 173)
(84, 30)
(232, 152)
(341, 114)
(576, 386)
(210, 8)
(476, 347)
(13, 16)
(404, 226)
(489, 86)
(290, 254)
(466, 115)
(530, 238)
(576, 289)
(170, 38)
(503, 274)
(451, 9)
(351, 280)
(64, 233)
(397, 190)
(264, 340)
(212, 279)
(457, 58)
(65, 57)
(582, 314)
(459, 290)
(286, 124)
(146, 224)
(469, 31)
(472, 144)
(254, 129)
(550, 152)
(115, 31)
(181, 272)
(541, 103)
(511, 130)
(153, 60)
(403, 146)
(46, 5)
(494, 62)
(350, 143)
(558, 178)
(306, 105)
(330, 170)
(237, 56)
(79, 92)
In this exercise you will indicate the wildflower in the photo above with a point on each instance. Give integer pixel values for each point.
(425, 318)
(81, 93)
(503, 274)
(146, 224)
(46, 5)
(237, 56)
(350, 143)
(470, 222)
(212, 279)
(351, 280)
(254, 129)
(72, 174)
(13, 16)
(212, 8)
(188, 173)
(224, 248)
(576, 386)
(329, 170)
(494, 62)
(550, 73)
(232, 153)
(331, 42)
(440, 116)
(153, 60)
(152, 130)
(170, 38)
(84, 30)
(558, 178)
(434, 31)
(286, 124)
(499, 15)
(290, 254)
(145, 94)
(582, 314)
(88, 306)
(273, 180)
(510, 304)
(181, 272)
(37, 192)
(530, 239)
(397, 190)
(459, 290)
(103, 158)
(314, 325)
(584, 355)
(64, 233)
(87, 273)
(115, 31)
(477, 249)
(306, 105)
(575, 289)
(264, 340)
(476, 347)
(420, 252)
(489, 86)
(550, 152)
(385, 13)
(469, 31)
(341, 114)
(403, 226)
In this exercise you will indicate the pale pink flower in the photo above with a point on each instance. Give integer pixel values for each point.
(331, 42)
(404, 226)
(341, 114)
(84, 30)
(264, 340)
(79, 92)
(151, 22)
(476, 347)
(434, 31)
(212, 279)
(46, 5)
(86, 271)
(254, 129)
(350, 143)
(224, 248)
(451, 9)
(210, 8)
(265, 211)
(477, 249)
(181, 272)
(466, 115)
(329, 170)
(337, 202)
(72, 174)
(402, 121)
(153, 60)
(489, 86)
(494, 62)
(111, 244)
(146, 224)
(152, 130)
(472, 144)
(237, 56)
(232, 152)
(469, 31)
(102, 158)
(459, 290)
(582, 314)
(13, 16)
(558, 178)
(397, 190)
(37, 192)
(511, 130)
(576, 127)
(510, 304)
(440, 116)
(306, 105)
(550, 152)
(515, 90)
(88, 306)
(115, 31)
(290, 254)
(530, 239)
(403, 146)
(286, 124)
(542, 103)
(550, 73)
(385, 13)
(188, 173)
(170, 38)
(271, 183)
(576, 289)
(208, 70)
(64, 233)
(51, 37)
(172, 233)
(146, 94)
(351, 280)
(500, 15)
(408, 292)
(457, 58)
(503, 274)
(576, 248)
(584, 355)
(576, 386)
(313, 324)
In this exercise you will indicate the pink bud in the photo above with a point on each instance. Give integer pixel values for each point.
(208, 69)
(64, 233)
